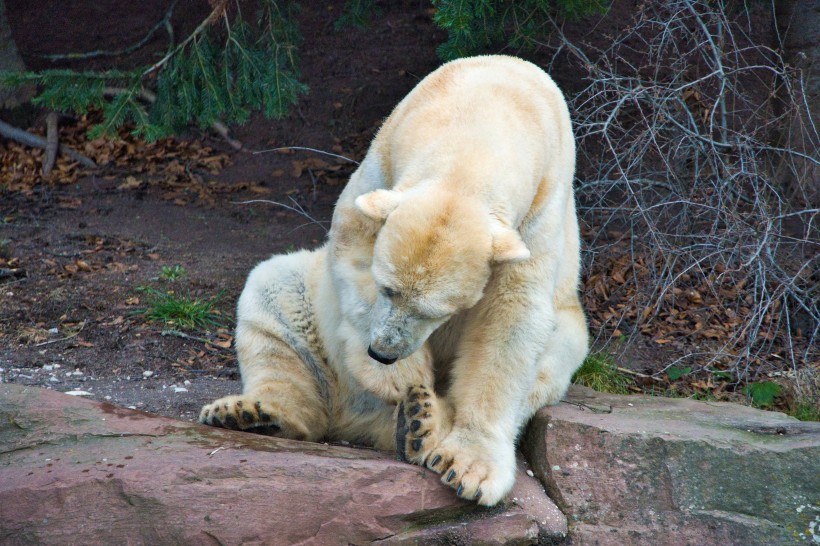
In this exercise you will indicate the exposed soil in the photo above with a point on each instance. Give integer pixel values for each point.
(79, 249)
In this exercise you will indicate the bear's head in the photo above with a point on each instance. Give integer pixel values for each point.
(432, 258)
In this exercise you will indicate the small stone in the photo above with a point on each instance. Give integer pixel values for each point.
(180, 389)
(530, 473)
(53, 331)
(147, 373)
(78, 393)
(186, 382)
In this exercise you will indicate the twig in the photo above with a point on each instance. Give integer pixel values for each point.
(183, 335)
(24, 137)
(52, 142)
(8, 272)
(75, 334)
(298, 209)
(146, 95)
(164, 22)
(637, 374)
(308, 150)
(593, 409)
(223, 131)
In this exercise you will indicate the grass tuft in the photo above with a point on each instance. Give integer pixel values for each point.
(600, 373)
(805, 411)
(182, 311)
(172, 273)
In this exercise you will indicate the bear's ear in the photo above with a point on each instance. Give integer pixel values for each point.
(508, 246)
(378, 204)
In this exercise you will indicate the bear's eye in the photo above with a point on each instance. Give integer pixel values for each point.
(388, 292)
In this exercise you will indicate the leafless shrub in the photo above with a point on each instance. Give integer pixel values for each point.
(678, 132)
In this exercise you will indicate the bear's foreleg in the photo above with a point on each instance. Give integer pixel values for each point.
(281, 396)
(491, 383)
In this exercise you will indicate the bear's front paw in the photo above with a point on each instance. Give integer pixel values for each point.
(242, 413)
(422, 421)
(476, 472)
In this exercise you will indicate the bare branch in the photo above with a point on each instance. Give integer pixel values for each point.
(24, 137)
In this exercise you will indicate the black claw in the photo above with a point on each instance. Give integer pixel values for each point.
(231, 421)
(239, 404)
(401, 434)
(435, 460)
(415, 425)
(417, 443)
(451, 475)
(247, 416)
(415, 409)
(264, 416)
(460, 490)
(265, 430)
(427, 404)
(477, 494)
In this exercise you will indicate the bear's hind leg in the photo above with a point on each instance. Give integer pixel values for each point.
(566, 350)
(282, 395)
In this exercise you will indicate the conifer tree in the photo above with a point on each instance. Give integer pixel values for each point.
(475, 26)
(224, 70)
(230, 66)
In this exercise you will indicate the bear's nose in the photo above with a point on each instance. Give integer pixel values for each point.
(379, 358)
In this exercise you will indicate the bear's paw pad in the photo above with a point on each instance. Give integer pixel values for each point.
(418, 425)
(241, 413)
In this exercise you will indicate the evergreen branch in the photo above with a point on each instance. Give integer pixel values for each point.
(150, 98)
(217, 12)
(198, 81)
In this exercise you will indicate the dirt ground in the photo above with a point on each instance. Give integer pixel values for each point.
(78, 251)
(79, 328)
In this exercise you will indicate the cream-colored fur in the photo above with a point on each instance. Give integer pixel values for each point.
(448, 286)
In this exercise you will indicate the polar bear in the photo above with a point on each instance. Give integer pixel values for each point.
(443, 311)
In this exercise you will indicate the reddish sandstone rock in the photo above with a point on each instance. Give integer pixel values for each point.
(73, 471)
(654, 471)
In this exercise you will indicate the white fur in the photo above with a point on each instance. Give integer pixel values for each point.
(453, 248)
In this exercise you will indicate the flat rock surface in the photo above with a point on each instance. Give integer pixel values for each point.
(84, 472)
(646, 470)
